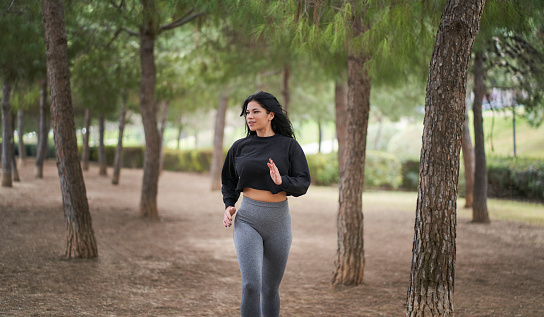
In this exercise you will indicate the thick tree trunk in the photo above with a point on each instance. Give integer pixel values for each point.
(433, 259)
(7, 135)
(164, 118)
(43, 131)
(350, 261)
(286, 73)
(85, 151)
(118, 161)
(80, 240)
(341, 104)
(217, 156)
(102, 160)
(479, 206)
(468, 160)
(21, 136)
(150, 182)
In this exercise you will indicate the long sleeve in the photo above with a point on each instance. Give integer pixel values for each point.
(298, 180)
(229, 180)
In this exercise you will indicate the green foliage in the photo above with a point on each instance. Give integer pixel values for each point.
(518, 178)
(323, 168)
(22, 46)
(382, 170)
(410, 175)
(187, 161)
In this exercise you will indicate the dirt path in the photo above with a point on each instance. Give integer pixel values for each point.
(185, 264)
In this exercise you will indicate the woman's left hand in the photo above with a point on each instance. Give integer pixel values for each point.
(274, 172)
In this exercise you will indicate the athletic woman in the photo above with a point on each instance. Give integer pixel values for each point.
(266, 166)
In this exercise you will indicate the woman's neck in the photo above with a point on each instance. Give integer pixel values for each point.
(265, 133)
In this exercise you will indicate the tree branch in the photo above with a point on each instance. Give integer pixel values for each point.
(114, 37)
(117, 6)
(130, 32)
(181, 21)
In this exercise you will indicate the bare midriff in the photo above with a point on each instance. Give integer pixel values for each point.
(264, 195)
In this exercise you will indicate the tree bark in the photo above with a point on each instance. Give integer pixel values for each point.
(102, 160)
(43, 131)
(285, 87)
(85, 151)
(148, 198)
(118, 161)
(164, 119)
(7, 135)
(479, 207)
(434, 249)
(80, 240)
(468, 160)
(217, 156)
(350, 261)
(21, 135)
(341, 104)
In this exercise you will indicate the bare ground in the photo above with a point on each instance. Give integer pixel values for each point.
(185, 263)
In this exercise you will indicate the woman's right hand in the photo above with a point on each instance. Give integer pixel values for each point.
(227, 219)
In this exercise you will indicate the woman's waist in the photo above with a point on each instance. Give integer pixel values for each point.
(264, 195)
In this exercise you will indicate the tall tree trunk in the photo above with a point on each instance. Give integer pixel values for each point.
(479, 207)
(350, 261)
(468, 160)
(180, 130)
(86, 151)
(102, 160)
(196, 139)
(378, 139)
(150, 182)
(14, 171)
(285, 87)
(118, 161)
(433, 254)
(164, 118)
(21, 135)
(217, 156)
(80, 240)
(320, 135)
(341, 104)
(7, 135)
(43, 131)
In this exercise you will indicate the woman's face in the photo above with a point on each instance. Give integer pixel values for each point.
(256, 117)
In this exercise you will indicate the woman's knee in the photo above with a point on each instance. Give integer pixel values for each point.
(251, 288)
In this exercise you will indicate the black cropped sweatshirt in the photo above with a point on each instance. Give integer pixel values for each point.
(245, 166)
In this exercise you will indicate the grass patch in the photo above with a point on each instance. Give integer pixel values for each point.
(526, 212)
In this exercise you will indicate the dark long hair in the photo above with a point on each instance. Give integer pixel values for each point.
(280, 124)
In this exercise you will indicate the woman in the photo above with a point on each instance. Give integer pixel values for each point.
(266, 166)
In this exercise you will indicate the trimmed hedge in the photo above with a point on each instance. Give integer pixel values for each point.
(507, 177)
(519, 178)
(383, 170)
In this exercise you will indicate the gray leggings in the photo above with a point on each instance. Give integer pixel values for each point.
(262, 237)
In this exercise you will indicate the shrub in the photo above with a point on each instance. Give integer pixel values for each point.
(323, 168)
(520, 178)
(410, 175)
(381, 169)
(187, 161)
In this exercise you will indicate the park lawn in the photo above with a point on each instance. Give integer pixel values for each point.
(510, 210)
